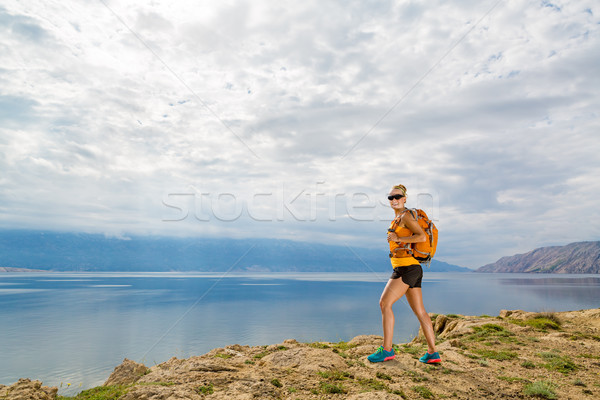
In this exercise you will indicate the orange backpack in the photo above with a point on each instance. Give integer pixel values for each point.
(423, 251)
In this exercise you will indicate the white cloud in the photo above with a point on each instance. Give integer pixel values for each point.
(106, 110)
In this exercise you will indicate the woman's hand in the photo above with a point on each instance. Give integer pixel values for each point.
(392, 237)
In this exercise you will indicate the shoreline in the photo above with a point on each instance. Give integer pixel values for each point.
(11, 269)
(508, 356)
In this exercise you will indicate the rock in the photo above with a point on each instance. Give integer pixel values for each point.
(366, 340)
(236, 347)
(520, 314)
(211, 366)
(26, 389)
(272, 347)
(440, 323)
(305, 359)
(450, 327)
(251, 390)
(158, 392)
(228, 351)
(126, 373)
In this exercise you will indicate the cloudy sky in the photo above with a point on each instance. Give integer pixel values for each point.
(293, 119)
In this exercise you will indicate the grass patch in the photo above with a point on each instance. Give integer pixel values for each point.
(501, 355)
(423, 391)
(275, 382)
(99, 393)
(413, 350)
(540, 321)
(223, 355)
(549, 315)
(542, 389)
(341, 347)
(542, 324)
(319, 345)
(344, 346)
(488, 332)
(261, 355)
(513, 379)
(353, 363)
(454, 316)
(373, 384)
(381, 375)
(332, 388)
(471, 356)
(556, 362)
(340, 353)
(593, 356)
(492, 330)
(579, 382)
(205, 389)
(416, 377)
(527, 364)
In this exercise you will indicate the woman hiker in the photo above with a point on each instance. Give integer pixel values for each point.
(405, 280)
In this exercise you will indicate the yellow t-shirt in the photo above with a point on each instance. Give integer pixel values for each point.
(401, 261)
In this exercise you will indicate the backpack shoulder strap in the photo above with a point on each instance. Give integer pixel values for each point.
(413, 212)
(397, 220)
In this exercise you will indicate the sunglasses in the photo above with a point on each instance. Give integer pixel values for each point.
(395, 196)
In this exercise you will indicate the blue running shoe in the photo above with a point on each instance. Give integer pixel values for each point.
(381, 355)
(431, 358)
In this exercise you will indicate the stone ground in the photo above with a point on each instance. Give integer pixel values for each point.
(517, 355)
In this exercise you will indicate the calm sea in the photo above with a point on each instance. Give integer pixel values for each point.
(76, 327)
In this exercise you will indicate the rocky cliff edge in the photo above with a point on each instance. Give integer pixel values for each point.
(516, 355)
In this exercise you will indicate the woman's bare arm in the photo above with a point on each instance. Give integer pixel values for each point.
(411, 223)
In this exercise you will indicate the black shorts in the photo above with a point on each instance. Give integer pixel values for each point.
(411, 275)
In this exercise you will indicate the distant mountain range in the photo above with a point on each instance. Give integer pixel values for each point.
(574, 258)
(91, 252)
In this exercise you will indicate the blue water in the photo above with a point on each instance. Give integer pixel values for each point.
(76, 327)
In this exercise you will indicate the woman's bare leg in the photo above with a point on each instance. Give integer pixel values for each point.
(393, 291)
(415, 299)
